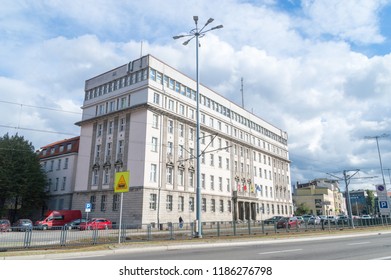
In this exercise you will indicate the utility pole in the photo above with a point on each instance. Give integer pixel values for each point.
(346, 178)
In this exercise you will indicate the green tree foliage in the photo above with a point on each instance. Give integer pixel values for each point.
(22, 181)
(302, 209)
(370, 201)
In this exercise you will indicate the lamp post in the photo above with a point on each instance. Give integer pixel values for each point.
(378, 150)
(198, 33)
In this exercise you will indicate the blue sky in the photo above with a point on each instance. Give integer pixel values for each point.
(320, 70)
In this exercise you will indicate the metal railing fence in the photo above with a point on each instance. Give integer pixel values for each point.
(16, 238)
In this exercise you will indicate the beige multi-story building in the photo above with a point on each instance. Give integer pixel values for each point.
(141, 118)
(322, 196)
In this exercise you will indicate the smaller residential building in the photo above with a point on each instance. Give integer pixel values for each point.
(322, 196)
(59, 160)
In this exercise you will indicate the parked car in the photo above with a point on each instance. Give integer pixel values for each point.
(96, 223)
(331, 219)
(272, 220)
(366, 217)
(288, 222)
(314, 220)
(300, 219)
(306, 217)
(5, 225)
(75, 224)
(343, 220)
(22, 225)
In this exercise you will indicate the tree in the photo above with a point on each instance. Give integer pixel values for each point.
(302, 209)
(370, 201)
(22, 181)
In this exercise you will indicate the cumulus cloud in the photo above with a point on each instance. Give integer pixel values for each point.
(298, 66)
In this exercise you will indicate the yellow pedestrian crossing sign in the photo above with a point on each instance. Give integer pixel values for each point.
(121, 183)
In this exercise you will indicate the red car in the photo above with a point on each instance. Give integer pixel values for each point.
(288, 222)
(97, 223)
(5, 225)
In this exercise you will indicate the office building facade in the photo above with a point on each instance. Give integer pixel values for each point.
(141, 118)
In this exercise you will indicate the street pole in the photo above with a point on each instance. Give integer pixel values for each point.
(197, 33)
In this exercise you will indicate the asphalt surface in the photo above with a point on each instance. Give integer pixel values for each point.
(135, 248)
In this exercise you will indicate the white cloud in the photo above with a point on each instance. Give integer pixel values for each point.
(324, 94)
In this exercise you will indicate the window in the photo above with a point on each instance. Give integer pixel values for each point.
(182, 109)
(64, 182)
(95, 177)
(191, 179)
(181, 202)
(155, 121)
(191, 204)
(154, 144)
(123, 102)
(181, 177)
(152, 201)
(171, 105)
(152, 175)
(169, 203)
(103, 203)
(112, 106)
(99, 133)
(122, 124)
(191, 134)
(170, 126)
(203, 180)
(213, 205)
(170, 148)
(120, 147)
(92, 201)
(220, 183)
(204, 204)
(212, 163)
(66, 163)
(181, 130)
(221, 206)
(110, 129)
(156, 98)
(106, 176)
(115, 202)
(169, 174)
(59, 164)
(220, 162)
(56, 185)
(212, 182)
(228, 185)
(108, 150)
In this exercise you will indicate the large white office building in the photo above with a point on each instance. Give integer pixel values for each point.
(141, 117)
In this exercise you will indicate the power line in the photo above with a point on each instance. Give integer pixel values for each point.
(39, 107)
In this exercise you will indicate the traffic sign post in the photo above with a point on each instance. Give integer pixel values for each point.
(121, 185)
(87, 209)
(384, 207)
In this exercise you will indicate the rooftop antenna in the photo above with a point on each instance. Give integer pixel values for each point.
(241, 90)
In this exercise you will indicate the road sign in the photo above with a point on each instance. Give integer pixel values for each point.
(121, 183)
(383, 204)
(88, 207)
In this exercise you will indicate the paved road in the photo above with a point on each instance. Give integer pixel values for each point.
(348, 247)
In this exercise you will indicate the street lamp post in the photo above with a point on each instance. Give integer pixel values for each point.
(378, 150)
(198, 33)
